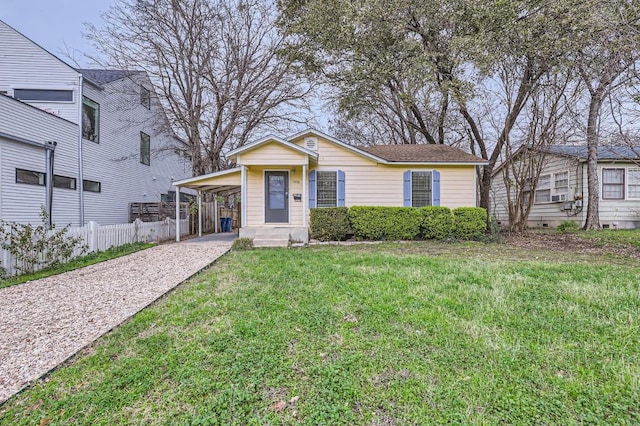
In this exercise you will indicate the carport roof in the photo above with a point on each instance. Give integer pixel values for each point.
(220, 181)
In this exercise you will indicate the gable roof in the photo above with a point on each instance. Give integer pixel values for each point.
(604, 152)
(105, 76)
(402, 153)
(422, 153)
(269, 139)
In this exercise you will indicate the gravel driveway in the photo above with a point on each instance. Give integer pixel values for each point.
(44, 322)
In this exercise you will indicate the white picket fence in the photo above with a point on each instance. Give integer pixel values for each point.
(102, 237)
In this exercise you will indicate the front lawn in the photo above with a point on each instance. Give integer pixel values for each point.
(620, 237)
(383, 334)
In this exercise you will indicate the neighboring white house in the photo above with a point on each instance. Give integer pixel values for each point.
(113, 143)
(561, 192)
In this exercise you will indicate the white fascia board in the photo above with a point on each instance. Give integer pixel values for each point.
(208, 176)
(337, 142)
(268, 139)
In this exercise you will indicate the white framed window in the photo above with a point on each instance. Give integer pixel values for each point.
(543, 190)
(327, 189)
(613, 184)
(43, 95)
(145, 97)
(90, 120)
(633, 184)
(561, 183)
(145, 148)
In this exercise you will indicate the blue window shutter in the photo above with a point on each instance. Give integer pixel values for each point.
(435, 188)
(312, 189)
(341, 188)
(407, 188)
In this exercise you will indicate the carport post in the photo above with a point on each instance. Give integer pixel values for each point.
(177, 213)
(215, 212)
(199, 213)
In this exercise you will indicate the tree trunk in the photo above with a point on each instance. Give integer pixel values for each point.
(485, 187)
(593, 207)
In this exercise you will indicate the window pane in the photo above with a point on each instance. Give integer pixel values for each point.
(43, 95)
(613, 192)
(276, 192)
(327, 192)
(91, 186)
(633, 177)
(30, 177)
(145, 148)
(544, 182)
(90, 119)
(420, 189)
(64, 182)
(543, 196)
(613, 175)
(145, 97)
(561, 182)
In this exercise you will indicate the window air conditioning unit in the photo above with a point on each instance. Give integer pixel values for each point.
(559, 198)
(311, 143)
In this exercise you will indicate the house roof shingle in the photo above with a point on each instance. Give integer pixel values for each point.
(106, 76)
(422, 153)
(604, 152)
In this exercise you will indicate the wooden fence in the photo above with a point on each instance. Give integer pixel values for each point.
(100, 238)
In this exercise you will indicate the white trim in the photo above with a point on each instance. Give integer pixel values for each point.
(199, 213)
(268, 139)
(305, 199)
(337, 183)
(627, 182)
(177, 213)
(243, 194)
(624, 183)
(264, 197)
(208, 176)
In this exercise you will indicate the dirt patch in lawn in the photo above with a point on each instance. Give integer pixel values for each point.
(568, 243)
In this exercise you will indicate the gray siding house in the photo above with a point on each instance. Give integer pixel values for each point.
(113, 143)
(561, 192)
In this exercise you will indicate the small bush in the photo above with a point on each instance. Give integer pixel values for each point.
(242, 244)
(470, 223)
(437, 222)
(330, 224)
(568, 227)
(385, 223)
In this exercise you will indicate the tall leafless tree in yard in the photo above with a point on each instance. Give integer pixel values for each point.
(214, 65)
(607, 58)
(546, 121)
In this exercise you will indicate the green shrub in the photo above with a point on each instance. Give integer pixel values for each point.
(385, 223)
(330, 224)
(242, 244)
(569, 227)
(437, 222)
(470, 223)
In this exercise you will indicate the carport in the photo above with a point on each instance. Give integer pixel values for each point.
(217, 182)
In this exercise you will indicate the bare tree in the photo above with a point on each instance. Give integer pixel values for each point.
(607, 55)
(214, 65)
(543, 124)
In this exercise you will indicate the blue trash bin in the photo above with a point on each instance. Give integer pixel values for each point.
(225, 224)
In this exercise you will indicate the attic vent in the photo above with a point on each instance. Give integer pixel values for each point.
(311, 143)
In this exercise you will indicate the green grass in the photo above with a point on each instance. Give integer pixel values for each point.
(76, 263)
(416, 333)
(619, 237)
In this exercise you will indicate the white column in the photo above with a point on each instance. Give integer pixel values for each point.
(304, 195)
(243, 195)
(177, 213)
(199, 213)
(215, 212)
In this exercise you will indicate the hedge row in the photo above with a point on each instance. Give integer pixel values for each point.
(398, 223)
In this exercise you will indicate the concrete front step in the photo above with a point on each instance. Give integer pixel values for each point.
(271, 237)
(271, 242)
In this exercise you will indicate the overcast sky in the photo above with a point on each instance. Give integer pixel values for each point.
(54, 23)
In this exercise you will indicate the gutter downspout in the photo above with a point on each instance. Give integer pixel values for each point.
(80, 154)
(50, 147)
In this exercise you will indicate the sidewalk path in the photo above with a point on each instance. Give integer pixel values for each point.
(46, 321)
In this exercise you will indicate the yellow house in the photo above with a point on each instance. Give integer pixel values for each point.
(281, 179)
